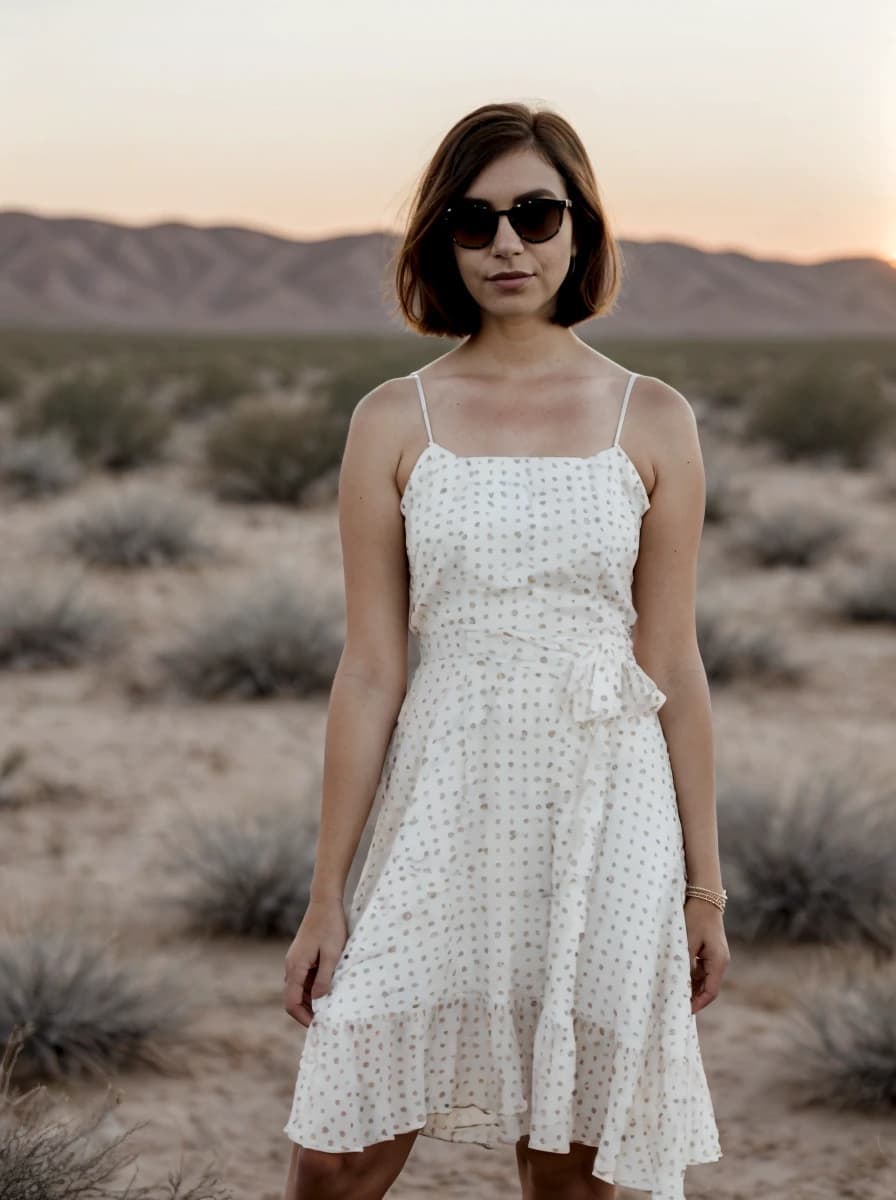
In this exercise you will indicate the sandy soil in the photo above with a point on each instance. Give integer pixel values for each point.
(141, 759)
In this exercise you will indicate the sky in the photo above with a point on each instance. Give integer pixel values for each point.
(767, 127)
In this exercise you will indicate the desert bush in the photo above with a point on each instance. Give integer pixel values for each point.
(10, 767)
(141, 528)
(10, 382)
(871, 595)
(823, 411)
(265, 642)
(48, 625)
(793, 536)
(248, 877)
(19, 787)
(729, 653)
(47, 1157)
(268, 451)
(39, 466)
(83, 1011)
(106, 422)
(728, 396)
(339, 392)
(719, 496)
(845, 1044)
(214, 385)
(811, 865)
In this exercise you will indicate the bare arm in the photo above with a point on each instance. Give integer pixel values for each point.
(665, 637)
(371, 679)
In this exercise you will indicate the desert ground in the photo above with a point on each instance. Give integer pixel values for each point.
(114, 759)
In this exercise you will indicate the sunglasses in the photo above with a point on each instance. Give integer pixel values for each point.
(472, 224)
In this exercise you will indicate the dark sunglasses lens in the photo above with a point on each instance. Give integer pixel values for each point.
(537, 220)
(475, 225)
(472, 225)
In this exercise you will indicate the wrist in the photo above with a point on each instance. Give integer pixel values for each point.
(706, 903)
(712, 882)
(718, 897)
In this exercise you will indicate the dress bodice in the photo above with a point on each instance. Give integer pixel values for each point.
(541, 542)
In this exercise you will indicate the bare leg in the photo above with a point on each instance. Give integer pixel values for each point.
(545, 1175)
(363, 1175)
(522, 1165)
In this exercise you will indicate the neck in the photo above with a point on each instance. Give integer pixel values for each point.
(520, 350)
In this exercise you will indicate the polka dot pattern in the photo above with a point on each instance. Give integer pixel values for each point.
(517, 957)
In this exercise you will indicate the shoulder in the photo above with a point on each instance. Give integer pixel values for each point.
(383, 403)
(662, 404)
(664, 411)
(383, 415)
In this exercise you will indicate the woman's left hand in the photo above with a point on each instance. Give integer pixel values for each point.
(708, 950)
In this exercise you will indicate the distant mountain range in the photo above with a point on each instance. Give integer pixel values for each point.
(80, 273)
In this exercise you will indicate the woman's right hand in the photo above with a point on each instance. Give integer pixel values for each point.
(312, 957)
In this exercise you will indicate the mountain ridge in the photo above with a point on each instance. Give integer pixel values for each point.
(82, 272)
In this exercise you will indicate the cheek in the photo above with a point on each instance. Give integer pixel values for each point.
(470, 272)
(554, 266)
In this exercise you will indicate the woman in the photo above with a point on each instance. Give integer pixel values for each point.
(540, 913)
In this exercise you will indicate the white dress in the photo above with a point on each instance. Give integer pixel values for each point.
(517, 958)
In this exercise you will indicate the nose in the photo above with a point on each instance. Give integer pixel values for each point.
(506, 237)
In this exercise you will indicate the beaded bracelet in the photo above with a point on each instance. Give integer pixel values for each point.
(719, 899)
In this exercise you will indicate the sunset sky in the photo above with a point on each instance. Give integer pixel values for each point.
(767, 127)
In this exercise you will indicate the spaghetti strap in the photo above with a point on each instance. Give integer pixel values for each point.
(415, 376)
(628, 390)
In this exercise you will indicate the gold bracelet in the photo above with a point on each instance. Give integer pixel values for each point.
(719, 899)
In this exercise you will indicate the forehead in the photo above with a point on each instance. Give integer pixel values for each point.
(514, 177)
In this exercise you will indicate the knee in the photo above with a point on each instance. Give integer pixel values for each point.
(319, 1174)
(549, 1168)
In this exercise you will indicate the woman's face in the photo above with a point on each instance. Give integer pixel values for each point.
(504, 181)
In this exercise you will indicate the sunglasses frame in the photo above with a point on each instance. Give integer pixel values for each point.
(509, 213)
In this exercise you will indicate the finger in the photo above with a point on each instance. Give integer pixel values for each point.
(710, 983)
(302, 1014)
(297, 1003)
(299, 968)
(324, 975)
(698, 976)
(701, 1001)
(713, 982)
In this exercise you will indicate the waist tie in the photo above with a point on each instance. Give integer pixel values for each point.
(603, 678)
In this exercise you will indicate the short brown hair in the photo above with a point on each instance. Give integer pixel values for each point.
(432, 297)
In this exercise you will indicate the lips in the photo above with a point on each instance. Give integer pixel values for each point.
(510, 275)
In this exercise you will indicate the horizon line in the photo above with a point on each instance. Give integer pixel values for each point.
(280, 235)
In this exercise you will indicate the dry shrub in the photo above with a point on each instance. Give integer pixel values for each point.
(20, 788)
(47, 1157)
(811, 865)
(845, 1049)
(269, 451)
(823, 410)
(47, 624)
(792, 536)
(869, 595)
(214, 386)
(83, 1010)
(137, 529)
(731, 653)
(268, 641)
(39, 466)
(10, 382)
(246, 877)
(107, 423)
(720, 498)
